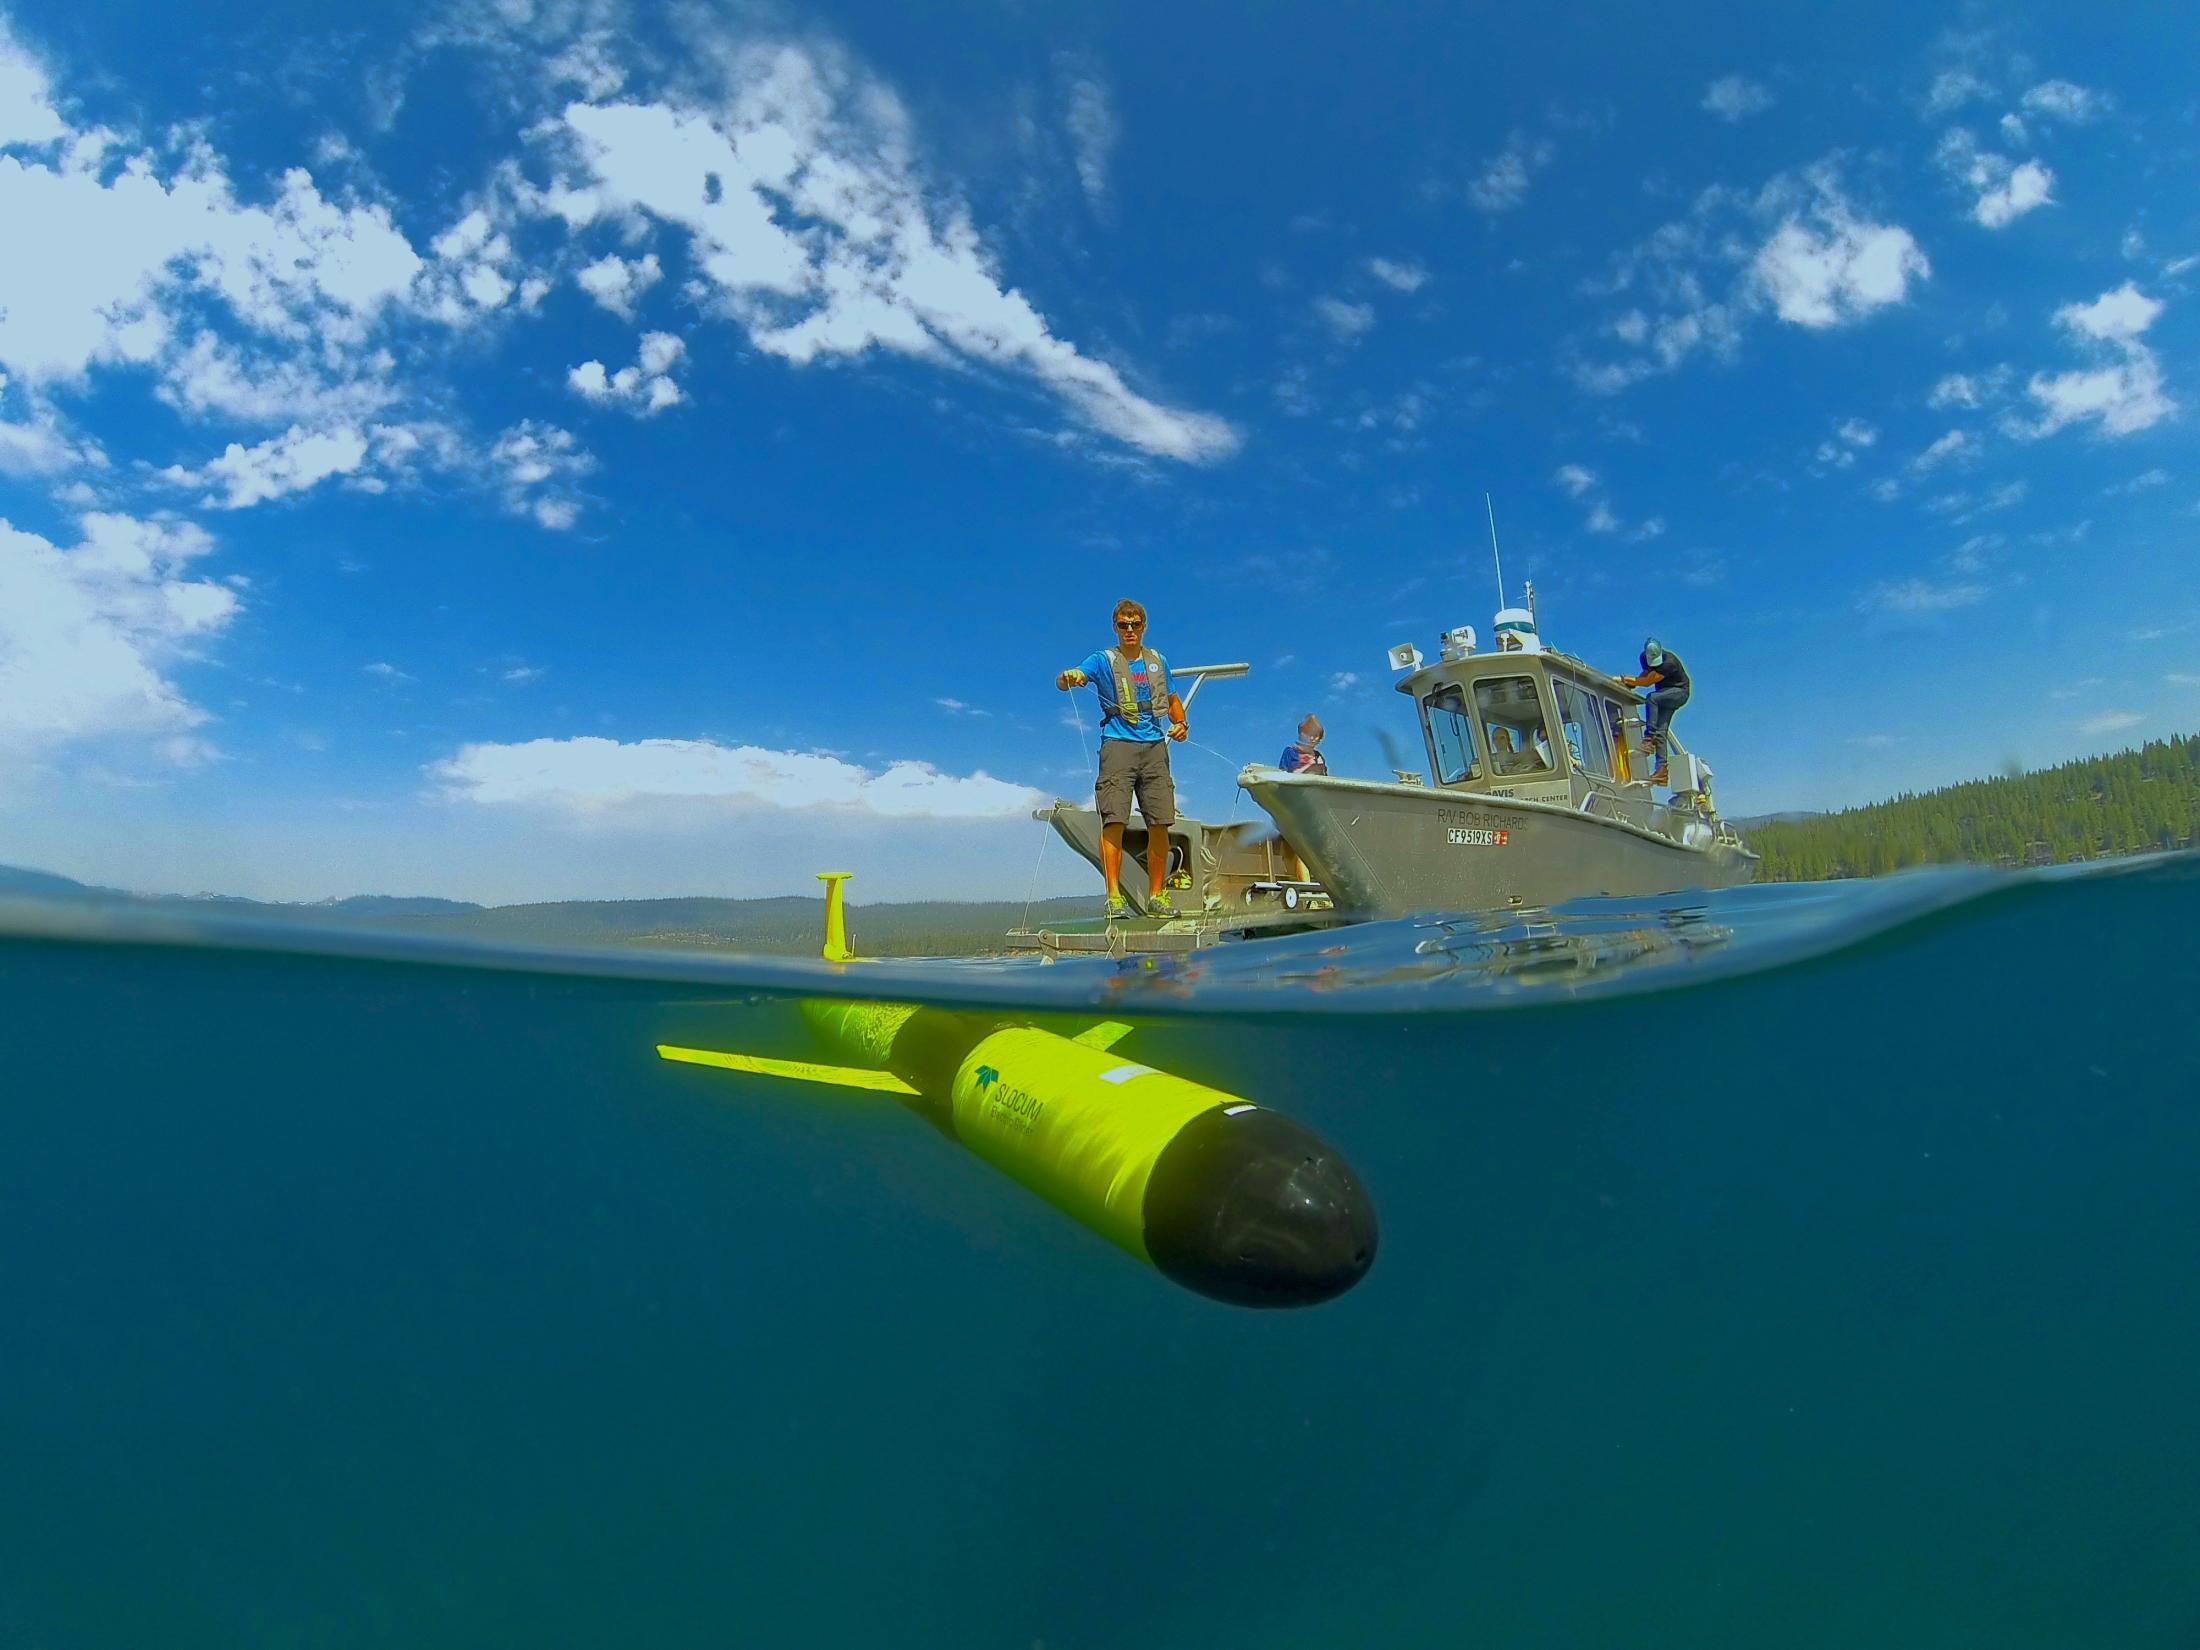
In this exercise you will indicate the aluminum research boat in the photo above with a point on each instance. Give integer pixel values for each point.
(1541, 793)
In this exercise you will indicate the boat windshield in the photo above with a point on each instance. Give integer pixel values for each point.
(1512, 721)
(1450, 736)
(1582, 718)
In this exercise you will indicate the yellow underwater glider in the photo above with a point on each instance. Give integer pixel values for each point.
(1221, 1195)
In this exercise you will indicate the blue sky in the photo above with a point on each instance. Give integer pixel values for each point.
(540, 450)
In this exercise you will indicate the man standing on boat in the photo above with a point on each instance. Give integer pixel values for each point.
(1667, 678)
(1131, 682)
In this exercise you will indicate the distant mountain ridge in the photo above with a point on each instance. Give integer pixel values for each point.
(790, 925)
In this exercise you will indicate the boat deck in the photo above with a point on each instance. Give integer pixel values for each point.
(1155, 936)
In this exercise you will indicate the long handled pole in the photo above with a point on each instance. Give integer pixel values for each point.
(1492, 509)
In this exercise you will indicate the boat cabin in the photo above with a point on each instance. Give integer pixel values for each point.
(1522, 720)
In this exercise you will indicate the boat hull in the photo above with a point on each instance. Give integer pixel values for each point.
(1384, 850)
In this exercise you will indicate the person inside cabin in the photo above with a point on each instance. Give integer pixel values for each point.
(1131, 681)
(1515, 752)
(1667, 678)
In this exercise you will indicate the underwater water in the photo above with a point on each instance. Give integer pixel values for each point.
(1807, 1266)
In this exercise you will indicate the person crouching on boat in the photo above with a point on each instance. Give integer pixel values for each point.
(1131, 681)
(1667, 678)
(1305, 756)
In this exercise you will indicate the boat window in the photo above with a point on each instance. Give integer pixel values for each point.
(1512, 724)
(1450, 736)
(1582, 717)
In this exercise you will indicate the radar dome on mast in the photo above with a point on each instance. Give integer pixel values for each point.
(1515, 631)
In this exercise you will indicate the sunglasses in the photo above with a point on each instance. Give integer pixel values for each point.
(1130, 624)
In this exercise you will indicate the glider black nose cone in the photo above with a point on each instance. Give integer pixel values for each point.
(1248, 1207)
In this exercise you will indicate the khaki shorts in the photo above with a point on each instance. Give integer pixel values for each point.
(1140, 765)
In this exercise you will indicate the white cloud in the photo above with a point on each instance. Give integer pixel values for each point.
(1961, 507)
(292, 462)
(1849, 437)
(1399, 277)
(2139, 483)
(2125, 393)
(1960, 389)
(96, 272)
(616, 282)
(1972, 554)
(646, 388)
(1914, 598)
(475, 269)
(2006, 190)
(36, 443)
(1348, 321)
(1090, 121)
(1826, 266)
(591, 775)
(813, 228)
(1953, 88)
(2119, 316)
(211, 377)
(1503, 181)
(1734, 97)
(1598, 516)
(87, 633)
(537, 466)
(26, 101)
(1949, 446)
(2111, 721)
(1798, 248)
(2061, 100)
(1343, 681)
(383, 671)
(2026, 187)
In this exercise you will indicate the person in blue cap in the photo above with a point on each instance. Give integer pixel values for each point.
(1667, 678)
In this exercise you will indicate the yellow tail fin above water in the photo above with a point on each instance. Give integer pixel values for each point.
(837, 948)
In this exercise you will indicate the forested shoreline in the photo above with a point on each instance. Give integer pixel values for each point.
(2132, 802)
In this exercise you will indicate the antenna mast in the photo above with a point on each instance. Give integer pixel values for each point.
(1494, 557)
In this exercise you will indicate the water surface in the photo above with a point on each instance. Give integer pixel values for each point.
(1800, 1266)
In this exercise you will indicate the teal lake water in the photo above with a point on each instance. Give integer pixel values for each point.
(1806, 1266)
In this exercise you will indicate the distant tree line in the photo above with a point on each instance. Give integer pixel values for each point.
(2128, 803)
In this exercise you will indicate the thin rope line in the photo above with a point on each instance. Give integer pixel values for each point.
(1032, 892)
(1077, 718)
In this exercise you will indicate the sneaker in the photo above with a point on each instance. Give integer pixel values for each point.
(1118, 907)
(1161, 905)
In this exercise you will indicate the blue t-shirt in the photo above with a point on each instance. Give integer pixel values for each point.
(1101, 674)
